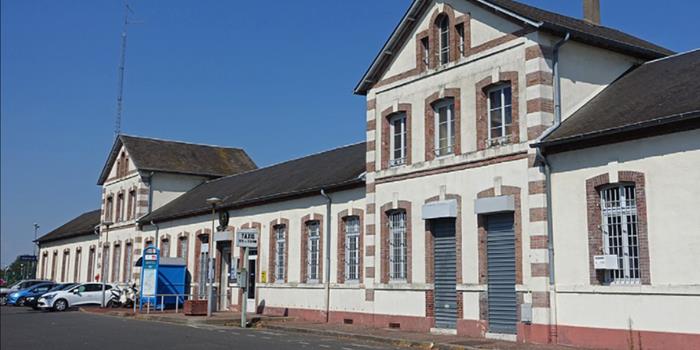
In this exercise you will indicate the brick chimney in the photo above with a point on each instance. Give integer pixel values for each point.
(591, 11)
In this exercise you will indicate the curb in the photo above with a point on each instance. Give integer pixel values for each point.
(374, 338)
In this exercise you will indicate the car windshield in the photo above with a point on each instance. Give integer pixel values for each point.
(63, 286)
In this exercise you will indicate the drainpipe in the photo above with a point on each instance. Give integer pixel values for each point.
(548, 186)
(157, 231)
(328, 254)
(150, 192)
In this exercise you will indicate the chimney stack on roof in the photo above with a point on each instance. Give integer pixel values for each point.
(591, 11)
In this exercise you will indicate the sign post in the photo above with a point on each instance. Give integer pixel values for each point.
(245, 238)
(149, 276)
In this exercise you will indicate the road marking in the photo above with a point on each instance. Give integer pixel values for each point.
(324, 346)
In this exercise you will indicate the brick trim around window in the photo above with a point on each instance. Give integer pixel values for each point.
(385, 210)
(340, 271)
(482, 118)
(272, 263)
(304, 247)
(387, 114)
(434, 41)
(429, 125)
(594, 216)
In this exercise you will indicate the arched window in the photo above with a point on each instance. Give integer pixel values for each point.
(443, 24)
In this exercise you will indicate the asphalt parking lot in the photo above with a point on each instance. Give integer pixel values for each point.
(23, 328)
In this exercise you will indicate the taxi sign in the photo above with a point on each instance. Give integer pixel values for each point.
(247, 238)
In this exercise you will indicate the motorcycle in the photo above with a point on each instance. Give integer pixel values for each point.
(122, 296)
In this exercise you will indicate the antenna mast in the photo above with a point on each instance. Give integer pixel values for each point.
(120, 92)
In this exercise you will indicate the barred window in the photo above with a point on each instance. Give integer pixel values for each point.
(397, 245)
(281, 249)
(620, 235)
(352, 248)
(314, 246)
(397, 125)
(128, 262)
(105, 264)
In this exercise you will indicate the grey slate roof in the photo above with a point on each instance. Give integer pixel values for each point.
(580, 30)
(150, 154)
(654, 94)
(336, 169)
(82, 225)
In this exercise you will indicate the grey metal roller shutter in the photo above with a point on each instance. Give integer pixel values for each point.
(445, 267)
(502, 304)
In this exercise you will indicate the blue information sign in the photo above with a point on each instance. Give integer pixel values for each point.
(149, 275)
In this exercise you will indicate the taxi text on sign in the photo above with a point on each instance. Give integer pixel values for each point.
(247, 238)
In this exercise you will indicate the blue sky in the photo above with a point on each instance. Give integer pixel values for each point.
(273, 77)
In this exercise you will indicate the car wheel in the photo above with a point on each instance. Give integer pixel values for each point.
(36, 308)
(3, 300)
(20, 302)
(60, 305)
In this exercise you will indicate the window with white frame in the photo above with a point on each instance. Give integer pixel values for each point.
(314, 249)
(620, 234)
(500, 114)
(460, 34)
(397, 124)
(105, 264)
(352, 248)
(280, 252)
(444, 33)
(397, 245)
(444, 127)
(425, 44)
(165, 247)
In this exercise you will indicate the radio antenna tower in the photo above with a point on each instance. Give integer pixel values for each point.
(122, 62)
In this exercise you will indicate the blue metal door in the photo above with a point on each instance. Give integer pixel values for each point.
(502, 305)
(445, 267)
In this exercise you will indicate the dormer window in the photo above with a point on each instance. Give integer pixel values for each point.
(122, 165)
(500, 114)
(444, 38)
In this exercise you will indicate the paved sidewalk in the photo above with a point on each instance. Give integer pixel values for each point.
(231, 319)
(404, 338)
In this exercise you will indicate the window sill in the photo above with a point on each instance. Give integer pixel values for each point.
(645, 289)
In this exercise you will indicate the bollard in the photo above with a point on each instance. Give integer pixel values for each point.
(162, 306)
(177, 303)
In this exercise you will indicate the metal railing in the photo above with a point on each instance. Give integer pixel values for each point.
(179, 299)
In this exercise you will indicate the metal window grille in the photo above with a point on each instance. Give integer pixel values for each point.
(105, 264)
(444, 40)
(203, 272)
(398, 140)
(313, 250)
(129, 261)
(500, 115)
(397, 245)
(281, 246)
(183, 248)
(352, 248)
(116, 262)
(444, 128)
(620, 234)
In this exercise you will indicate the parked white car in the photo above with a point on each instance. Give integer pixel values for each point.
(82, 294)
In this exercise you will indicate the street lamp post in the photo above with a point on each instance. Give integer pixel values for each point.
(36, 228)
(104, 272)
(213, 201)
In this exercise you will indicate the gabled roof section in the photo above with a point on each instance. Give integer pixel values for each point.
(82, 225)
(658, 96)
(149, 154)
(579, 30)
(332, 170)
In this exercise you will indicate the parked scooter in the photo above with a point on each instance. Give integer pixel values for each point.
(122, 296)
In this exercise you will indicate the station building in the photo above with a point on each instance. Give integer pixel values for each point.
(525, 176)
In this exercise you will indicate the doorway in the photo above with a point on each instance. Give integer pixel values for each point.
(252, 269)
(445, 269)
(500, 255)
(224, 266)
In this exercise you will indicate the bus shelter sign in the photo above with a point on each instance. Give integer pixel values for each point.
(247, 238)
(149, 279)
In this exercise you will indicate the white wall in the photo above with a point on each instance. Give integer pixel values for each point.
(83, 242)
(167, 187)
(670, 165)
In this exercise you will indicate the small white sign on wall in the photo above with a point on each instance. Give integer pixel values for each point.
(247, 238)
(605, 262)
